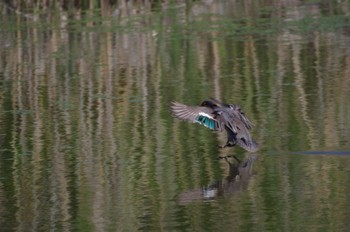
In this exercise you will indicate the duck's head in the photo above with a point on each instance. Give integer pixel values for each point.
(209, 104)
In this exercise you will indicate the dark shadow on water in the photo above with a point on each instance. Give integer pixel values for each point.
(237, 181)
(339, 153)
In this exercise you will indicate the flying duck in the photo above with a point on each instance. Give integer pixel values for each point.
(218, 116)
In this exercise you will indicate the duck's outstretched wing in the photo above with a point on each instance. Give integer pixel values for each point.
(196, 114)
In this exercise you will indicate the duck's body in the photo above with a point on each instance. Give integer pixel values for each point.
(219, 116)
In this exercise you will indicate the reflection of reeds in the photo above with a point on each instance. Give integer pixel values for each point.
(94, 140)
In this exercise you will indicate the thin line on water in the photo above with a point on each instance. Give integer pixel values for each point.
(321, 152)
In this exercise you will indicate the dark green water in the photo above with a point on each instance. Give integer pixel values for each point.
(88, 143)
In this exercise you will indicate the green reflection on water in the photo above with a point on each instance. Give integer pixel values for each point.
(88, 142)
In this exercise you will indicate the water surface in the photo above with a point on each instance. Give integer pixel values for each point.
(87, 141)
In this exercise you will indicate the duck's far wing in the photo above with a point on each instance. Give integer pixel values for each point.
(245, 120)
(217, 102)
(195, 114)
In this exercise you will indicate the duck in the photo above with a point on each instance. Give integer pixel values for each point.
(218, 116)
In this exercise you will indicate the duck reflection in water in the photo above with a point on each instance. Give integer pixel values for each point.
(237, 181)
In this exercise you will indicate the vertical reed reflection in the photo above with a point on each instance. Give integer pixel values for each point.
(85, 117)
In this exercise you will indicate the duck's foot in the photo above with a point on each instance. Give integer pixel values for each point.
(224, 157)
(229, 156)
(235, 157)
(228, 144)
